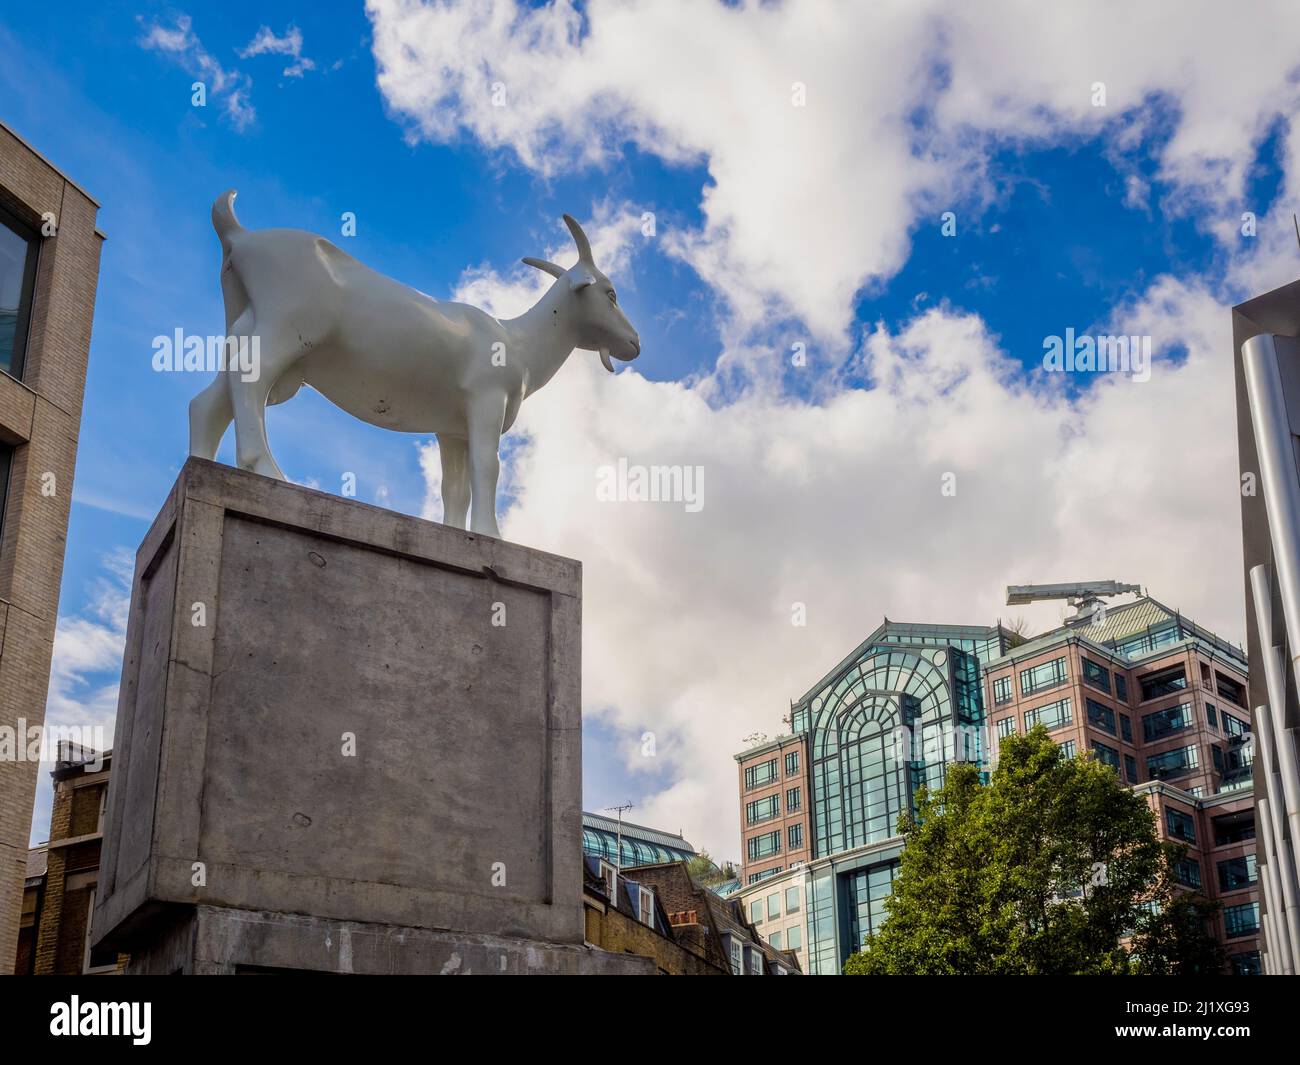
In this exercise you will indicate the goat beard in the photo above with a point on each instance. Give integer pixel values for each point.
(604, 358)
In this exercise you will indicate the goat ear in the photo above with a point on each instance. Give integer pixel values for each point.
(544, 266)
(578, 281)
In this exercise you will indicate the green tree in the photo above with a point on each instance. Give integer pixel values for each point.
(1173, 937)
(1043, 870)
(705, 871)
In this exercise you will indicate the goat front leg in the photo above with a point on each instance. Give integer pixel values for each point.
(486, 418)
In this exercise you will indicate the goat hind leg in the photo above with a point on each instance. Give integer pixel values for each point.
(454, 451)
(211, 413)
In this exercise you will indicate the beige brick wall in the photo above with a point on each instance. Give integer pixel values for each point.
(41, 416)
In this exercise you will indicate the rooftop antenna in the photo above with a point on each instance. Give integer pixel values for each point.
(1085, 596)
(618, 853)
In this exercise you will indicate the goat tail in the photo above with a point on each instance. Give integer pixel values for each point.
(224, 220)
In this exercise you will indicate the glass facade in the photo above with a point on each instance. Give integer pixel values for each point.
(1105, 754)
(1100, 716)
(18, 251)
(1236, 873)
(1241, 920)
(1095, 675)
(1166, 682)
(1173, 764)
(1181, 825)
(637, 850)
(867, 891)
(1166, 722)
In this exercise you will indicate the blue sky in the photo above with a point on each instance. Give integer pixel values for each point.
(1067, 217)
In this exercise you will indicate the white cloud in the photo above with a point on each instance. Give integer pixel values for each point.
(265, 42)
(181, 44)
(806, 205)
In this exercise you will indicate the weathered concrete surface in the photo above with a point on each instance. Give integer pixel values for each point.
(318, 716)
(215, 941)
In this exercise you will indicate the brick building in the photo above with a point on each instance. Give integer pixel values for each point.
(713, 927)
(773, 779)
(49, 266)
(59, 891)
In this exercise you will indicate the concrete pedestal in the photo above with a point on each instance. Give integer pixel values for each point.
(364, 720)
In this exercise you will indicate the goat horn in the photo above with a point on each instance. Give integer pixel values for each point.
(544, 266)
(580, 239)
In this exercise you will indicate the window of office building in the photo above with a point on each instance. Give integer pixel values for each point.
(776, 939)
(1234, 828)
(1166, 682)
(1166, 722)
(758, 775)
(756, 911)
(795, 834)
(764, 846)
(1211, 716)
(1044, 676)
(754, 878)
(1006, 727)
(762, 809)
(867, 891)
(1051, 717)
(1126, 728)
(1131, 769)
(1181, 826)
(1216, 756)
(1230, 689)
(1106, 754)
(774, 905)
(1121, 687)
(792, 763)
(1002, 690)
(1241, 920)
(792, 800)
(1187, 872)
(1233, 727)
(18, 251)
(1246, 963)
(794, 938)
(1068, 748)
(792, 900)
(1095, 675)
(1173, 764)
(1235, 873)
(1102, 717)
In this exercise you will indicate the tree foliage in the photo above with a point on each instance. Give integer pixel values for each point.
(1043, 870)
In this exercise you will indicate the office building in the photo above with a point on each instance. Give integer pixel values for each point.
(49, 266)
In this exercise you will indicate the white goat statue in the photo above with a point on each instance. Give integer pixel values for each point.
(393, 356)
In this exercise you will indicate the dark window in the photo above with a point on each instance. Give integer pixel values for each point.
(18, 250)
(758, 775)
(1216, 756)
(1234, 727)
(792, 763)
(1235, 873)
(1002, 690)
(1131, 769)
(792, 800)
(1173, 764)
(1126, 727)
(795, 833)
(1188, 872)
(1121, 687)
(1181, 825)
(1229, 689)
(1102, 717)
(1166, 722)
(1210, 715)
(1241, 920)
(1246, 963)
(1095, 675)
(1106, 754)
(1234, 828)
(1166, 682)
(1042, 677)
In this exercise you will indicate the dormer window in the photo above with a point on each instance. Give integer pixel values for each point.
(646, 906)
(609, 874)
